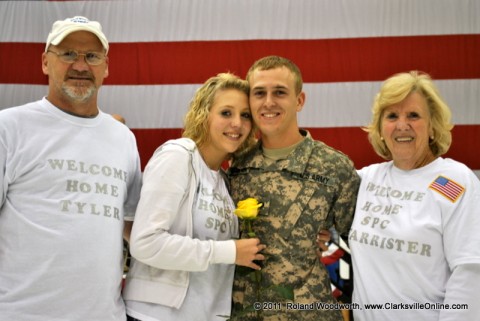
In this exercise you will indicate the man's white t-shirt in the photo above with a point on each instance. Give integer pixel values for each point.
(66, 185)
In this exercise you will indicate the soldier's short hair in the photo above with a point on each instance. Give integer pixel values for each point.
(273, 62)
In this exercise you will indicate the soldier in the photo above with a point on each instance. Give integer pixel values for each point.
(305, 186)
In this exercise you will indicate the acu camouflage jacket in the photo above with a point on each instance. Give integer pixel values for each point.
(313, 189)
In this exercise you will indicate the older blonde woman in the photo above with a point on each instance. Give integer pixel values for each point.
(415, 239)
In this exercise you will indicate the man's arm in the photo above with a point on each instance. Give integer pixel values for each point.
(127, 230)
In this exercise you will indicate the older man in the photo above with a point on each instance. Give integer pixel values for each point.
(65, 189)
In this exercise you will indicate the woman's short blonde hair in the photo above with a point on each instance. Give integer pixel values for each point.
(196, 125)
(394, 90)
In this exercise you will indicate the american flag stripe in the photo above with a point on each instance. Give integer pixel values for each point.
(186, 20)
(161, 51)
(321, 60)
(447, 188)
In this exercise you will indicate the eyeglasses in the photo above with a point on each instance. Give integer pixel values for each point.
(70, 56)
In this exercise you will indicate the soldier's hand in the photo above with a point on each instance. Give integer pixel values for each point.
(248, 250)
(323, 238)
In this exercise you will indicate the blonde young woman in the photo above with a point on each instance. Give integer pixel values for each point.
(184, 254)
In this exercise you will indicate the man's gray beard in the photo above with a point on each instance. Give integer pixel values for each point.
(79, 94)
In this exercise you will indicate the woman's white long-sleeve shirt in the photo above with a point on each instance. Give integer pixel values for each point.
(161, 242)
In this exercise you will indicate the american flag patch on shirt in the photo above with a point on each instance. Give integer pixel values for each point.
(447, 188)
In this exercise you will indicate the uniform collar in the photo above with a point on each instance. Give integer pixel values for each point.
(296, 162)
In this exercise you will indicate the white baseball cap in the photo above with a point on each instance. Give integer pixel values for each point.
(63, 28)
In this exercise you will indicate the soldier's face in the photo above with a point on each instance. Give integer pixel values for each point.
(273, 101)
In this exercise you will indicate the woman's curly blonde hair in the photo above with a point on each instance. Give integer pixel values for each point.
(196, 120)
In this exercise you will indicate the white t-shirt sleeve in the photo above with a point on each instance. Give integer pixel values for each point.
(462, 295)
(461, 224)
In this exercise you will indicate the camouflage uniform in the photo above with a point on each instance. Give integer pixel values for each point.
(313, 189)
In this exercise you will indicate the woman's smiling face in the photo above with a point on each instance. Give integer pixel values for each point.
(405, 129)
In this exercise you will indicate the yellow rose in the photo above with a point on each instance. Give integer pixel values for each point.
(248, 209)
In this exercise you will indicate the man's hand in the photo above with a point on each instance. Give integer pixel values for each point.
(323, 240)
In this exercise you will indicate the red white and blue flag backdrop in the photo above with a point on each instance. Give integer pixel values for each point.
(161, 51)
